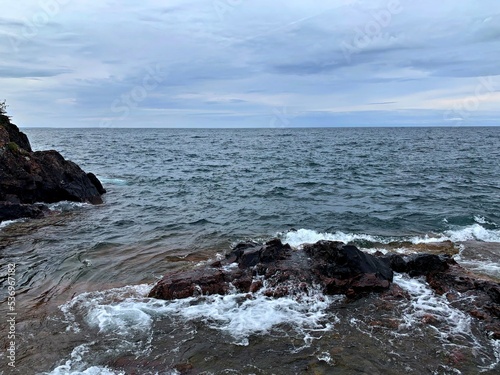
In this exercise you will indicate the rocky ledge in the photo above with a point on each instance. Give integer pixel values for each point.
(28, 178)
(277, 270)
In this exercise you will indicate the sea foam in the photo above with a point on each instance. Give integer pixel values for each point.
(453, 322)
(112, 181)
(6, 223)
(476, 232)
(126, 312)
(76, 365)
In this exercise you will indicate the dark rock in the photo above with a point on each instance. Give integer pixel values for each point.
(12, 211)
(243, 283)
(396, 262)
(417, 264)
(28, 177)
(345, 269)
(4, 136)
(44, 176)
(425, 264)
(14, 134)
(95, 181)
(250, 254)
(216, 264)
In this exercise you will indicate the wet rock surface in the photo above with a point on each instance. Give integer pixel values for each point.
(474, 294)
(343, 269)
(28, 177)
(478, 296)
(12, 211)
(280, 270)
(416, 264)
(277, 270)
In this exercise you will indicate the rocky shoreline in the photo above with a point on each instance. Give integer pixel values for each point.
(277, 270)
(30, 178)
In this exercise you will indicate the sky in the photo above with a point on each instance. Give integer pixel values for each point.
(250, 63)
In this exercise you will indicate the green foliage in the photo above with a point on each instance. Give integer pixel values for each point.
(3, 108)
(13, 147)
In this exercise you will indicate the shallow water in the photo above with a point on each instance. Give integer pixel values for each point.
(177, 198)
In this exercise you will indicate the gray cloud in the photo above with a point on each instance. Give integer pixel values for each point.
(17, 72)
(334, 62)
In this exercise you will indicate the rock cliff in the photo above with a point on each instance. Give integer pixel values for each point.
(28, 177)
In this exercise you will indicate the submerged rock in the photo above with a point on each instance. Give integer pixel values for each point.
(479, 296)
(27, 177)
(438, 247)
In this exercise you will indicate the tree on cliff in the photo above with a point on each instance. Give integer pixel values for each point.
(3, 108)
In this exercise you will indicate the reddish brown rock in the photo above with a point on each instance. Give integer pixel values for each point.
(429, 319)
(460, 284)
(190, 283)
(276, 270)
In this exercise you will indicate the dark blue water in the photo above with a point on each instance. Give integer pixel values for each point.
(390, 181)
(177, 197)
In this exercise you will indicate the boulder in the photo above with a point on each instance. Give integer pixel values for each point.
(344, 269)
(250, 254)
(426, 264)
(190, 283)
(416, 264)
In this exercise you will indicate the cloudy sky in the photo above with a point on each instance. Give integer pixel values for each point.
(250, 63)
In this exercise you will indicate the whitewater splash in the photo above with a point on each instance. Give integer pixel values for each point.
(67, 206)
(451, 326)
(6, 223)
(475, 232)
(426, 303)
(127, 316)
(125, 321)
(112, 181)
(126, 311)
(76, 365)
